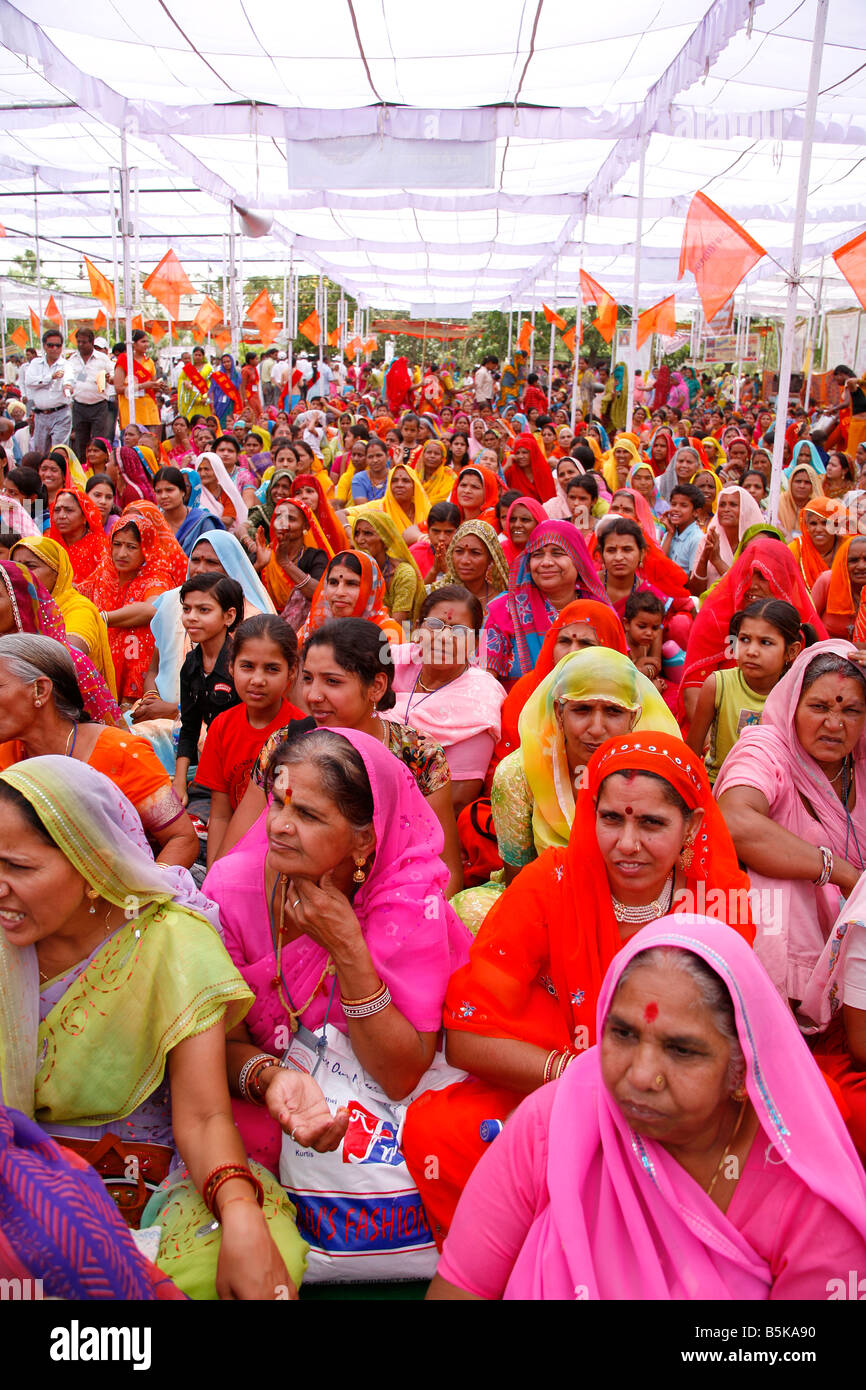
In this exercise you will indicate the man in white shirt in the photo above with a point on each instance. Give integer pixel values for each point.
(43, 386)
(86, 378)
(485, 386)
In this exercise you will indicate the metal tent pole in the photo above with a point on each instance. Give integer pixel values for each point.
(632, 347)
(127, 274)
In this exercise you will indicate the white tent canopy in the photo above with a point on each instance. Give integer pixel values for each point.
(475, 159)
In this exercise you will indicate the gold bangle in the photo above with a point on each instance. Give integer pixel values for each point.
(356, 1003)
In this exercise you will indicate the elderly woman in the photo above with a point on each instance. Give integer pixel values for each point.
(343, 904)
(793, 794)
(640, 846)
(695, 1154)
(42, 711)
(82, 903)
(475, 561)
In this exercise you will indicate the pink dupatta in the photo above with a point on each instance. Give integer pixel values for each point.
(624, 1220)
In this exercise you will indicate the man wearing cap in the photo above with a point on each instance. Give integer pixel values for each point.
(43, 386)
(86, 379)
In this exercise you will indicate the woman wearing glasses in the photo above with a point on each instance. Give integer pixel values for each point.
(441, 692)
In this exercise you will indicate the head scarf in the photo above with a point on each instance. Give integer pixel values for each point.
(789, 510)
(656, 568)
(395, 548)
(277, 582)
(526, 606)
(136, 475)
(593, 674)
(662, 386)
(498, 580)
(663, 434)
(324, 511)
(261, 512)
(840, 609)
(174, 557)
(91, 548)
(750, 515)
(816, 463)
(439, 484)
(75, 474)
(370, 603)
(622, 441)
(391, 507)
(538, 482)
(80, 616)
(625, 1220)
(812, 562)
(414, 937)
(636, 468)
(490, 483)
(536, 510)
(34, 610)
(15, 517)
(708, 649)
(211, 503)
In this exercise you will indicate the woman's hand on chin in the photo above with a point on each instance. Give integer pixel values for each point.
(297, 1104)
(323, 912)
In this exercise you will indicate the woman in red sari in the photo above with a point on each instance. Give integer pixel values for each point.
(528, 471)
(525, 1003)
(308, 489)
(76, 524)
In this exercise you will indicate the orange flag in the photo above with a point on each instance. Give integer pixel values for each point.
(137, 322)
(371, 344)
(35, 326)
(167, 282)
(524, 337)
(570, 339)
(223, 338)
(157, 330)
(553, 317)
(209, 315)
(261, 310)
(851, 260)
(593, 293)
(19, 337)
(100, 322)
(311, 327)
(718, 252)
(52, 312)
(334, 337)
(199, 334)
(661, 318)
(101, 289)
(2, 229)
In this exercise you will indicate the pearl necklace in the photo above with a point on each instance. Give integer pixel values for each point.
(643, 914)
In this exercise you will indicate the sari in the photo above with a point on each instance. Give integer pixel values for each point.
(708, 649)
(805, 552)
(438, 485)
(536, 510)
(657, 501)
(278, 583)
(135, 468)
(750, 515)
(613, 1214)
(229, 507)
(224, 404)
(260, 512)
(609, 633)
(840, 609)
(609, 467)
(397, 553)
(34, 610)
(89, 550)
(497, 581)
(370, 603)
(162, 976)
(80, 616)
(538, 482)
(390, 507)
(656, 568)
(536, 967)
(796, 916)
(325, 516)
(173, 554)
(789, 510)
(146, 408)
(198, 522)
(518, 620)
(75, 474)
(192, 390)
(109, 592)
(491, 491)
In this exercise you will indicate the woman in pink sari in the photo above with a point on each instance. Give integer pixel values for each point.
(617, 1183)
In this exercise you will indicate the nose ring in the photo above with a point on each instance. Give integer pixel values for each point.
(659, 1082)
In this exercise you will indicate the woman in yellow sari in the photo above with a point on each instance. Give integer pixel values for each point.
(146, 407)
(405, 502)
(616, 464)
(436, 478)
(49, 563)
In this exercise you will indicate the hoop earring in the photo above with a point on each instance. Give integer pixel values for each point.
(360, 874)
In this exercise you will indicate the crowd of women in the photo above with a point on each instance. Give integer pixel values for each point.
(430, 848)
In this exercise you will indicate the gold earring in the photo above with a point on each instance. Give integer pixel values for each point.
(92, 895)
(687, 853)
(740, 1094)
(359, 875)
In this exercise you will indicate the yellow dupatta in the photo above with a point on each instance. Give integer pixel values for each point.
(79, 614)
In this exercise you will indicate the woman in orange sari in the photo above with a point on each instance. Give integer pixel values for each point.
(525, 1003)
(351, 587)
(134, 572)
(818, 540)
(298, 554)
(528, 471)
(476, 493)
(76, 524)
(174, 556)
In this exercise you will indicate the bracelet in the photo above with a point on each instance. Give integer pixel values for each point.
(227, 1172)
(356, 1003)
(254, 1091)
(550, 1061)
(827, 869)
(375, 1006)
(247, 1067)
(565, 1060)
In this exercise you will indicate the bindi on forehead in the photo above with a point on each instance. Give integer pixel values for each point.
(651, 1012)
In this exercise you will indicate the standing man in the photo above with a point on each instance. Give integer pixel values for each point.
(85, 379)
(485, 386)
(52, 413)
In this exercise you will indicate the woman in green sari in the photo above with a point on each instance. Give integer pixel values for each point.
(116, 994)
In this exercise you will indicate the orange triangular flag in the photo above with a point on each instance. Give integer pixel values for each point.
(371, 344)
(570, 339)
(223, 338)
(52, 311)
(261, 310)
(593, 293)
(101, 289)
(661, 318)
(553, 317)
(19, 337)
(35, 326)
(199, 334)
(524, 337)
(100, 322)
(209, 315)
(349, 352)
(311, 327)
(851, 260)
(2, 229)
(167, 282)
(157, 330)
(137, 322)
(718, 252)
(334, 337)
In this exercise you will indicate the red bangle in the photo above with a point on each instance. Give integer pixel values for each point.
(226, 1172)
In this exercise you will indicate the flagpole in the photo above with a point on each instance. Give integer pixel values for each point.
(796, 257)
(233, 295)
(510, 327)
(552, 338)
(127, 277)
(137, 296)
(532, 334)
(813, 341)
(578, 322)
(291, 314)
(632, 351)
(3, 332)
(38, 252)
(113, 203)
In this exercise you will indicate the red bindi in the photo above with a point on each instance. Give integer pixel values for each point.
(651, 1012)
(628, 810)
